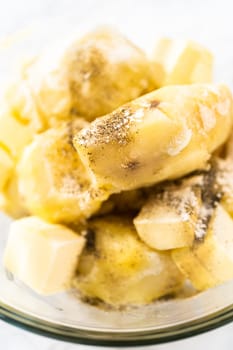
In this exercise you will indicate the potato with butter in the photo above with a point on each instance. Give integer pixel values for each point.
(53, 181)
(163, 135)
(119, 269)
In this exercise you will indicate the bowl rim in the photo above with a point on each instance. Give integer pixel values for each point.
(101, 338)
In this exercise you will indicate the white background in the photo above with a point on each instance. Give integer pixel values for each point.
(207, 16)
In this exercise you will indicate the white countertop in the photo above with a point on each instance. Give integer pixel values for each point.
(12, 338)
(15, 14)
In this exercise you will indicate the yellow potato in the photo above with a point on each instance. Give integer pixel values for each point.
(53, 180)
(209, 261)
(22, 104)
(181, 62)
(6, 167)
(14, 135)
(104, 71)
(119, 269)
(162, 135)
(168, 218)
(89, 77)
(11, 202)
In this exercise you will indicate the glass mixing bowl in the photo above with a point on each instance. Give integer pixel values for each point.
(62, 316)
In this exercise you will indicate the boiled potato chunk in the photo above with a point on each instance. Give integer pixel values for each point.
(181, 62)
(6, 167)
(162, 135)
(88, 77)
(14, 135)
(105, 70)
(119, 269)
(44, 256)
(43, 92)
(11, 201)
(168, 218)
(22, 105)
(53, 180)
(209, 262)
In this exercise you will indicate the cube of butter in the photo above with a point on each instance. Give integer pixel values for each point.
(181, 62)
(42, 255)
(6, 167)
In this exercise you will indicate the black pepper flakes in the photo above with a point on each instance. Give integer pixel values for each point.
(154, 104)
(113, 128)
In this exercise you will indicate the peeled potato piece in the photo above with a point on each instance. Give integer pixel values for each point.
(11, 201)
(6, 167)
(119, 269)
(22, 105)
(53, 180)
(176, 213)
(209, 262)
(181, 62)
(168, 218)
(14, 135)
(90, 77)
(162, 135)
(106, 70)
(44, 256)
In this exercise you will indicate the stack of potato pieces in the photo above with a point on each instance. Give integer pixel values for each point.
(109, 166)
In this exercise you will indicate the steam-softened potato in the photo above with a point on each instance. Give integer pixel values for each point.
(119, 269)
(105, 70)
(168, 218)
(53, 181)
(162, 135)
(181, 62)
(6, 167)
(176, 212)
(11, 201)
(89, 77)
(14, 135)
(209, 261)
(21, 101)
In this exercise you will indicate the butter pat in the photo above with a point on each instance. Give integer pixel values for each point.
(6, 167)
(181, 62)
(42, 255)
